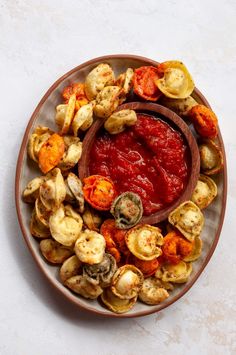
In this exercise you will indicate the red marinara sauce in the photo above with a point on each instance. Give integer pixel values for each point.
(150, 159)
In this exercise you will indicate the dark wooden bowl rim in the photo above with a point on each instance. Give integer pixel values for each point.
(52, 280)
(168, 116)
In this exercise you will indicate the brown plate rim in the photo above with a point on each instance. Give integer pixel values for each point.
(18, 196)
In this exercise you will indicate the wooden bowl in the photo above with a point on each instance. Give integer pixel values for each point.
(177, 123)
(26, 170)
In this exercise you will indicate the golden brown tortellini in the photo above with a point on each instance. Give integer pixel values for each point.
(188, 219)
(178, 273)
(31, 191)
(79, 284)
(211, 157)
(90, 247)
(179, 106)
(37, 139)
(65, 114)
(118, 121)
(83, 119)
(205, 191)
(127, 282)
(108, 100)
(97, 79)
(71, 267)
(73, 152)
(92, 219)
(75, 191)
(37, 229)
(175, 80)
(42, 213)
(125, 80)
(144, 241)
(65, 225)
(54, 252)
(116, 304)
(52, 192)
(196, 251)
(152, 291)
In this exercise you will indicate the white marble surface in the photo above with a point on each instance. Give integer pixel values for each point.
(41, 40)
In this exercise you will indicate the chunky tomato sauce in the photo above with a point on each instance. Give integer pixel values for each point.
(150, 159)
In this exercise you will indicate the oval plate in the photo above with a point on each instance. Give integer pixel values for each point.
(27, 170)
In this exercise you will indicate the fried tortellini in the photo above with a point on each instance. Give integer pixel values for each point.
(127, 282)
(125, 80)
(31, 191)
(65, 114)
(90, 247)
(211, 157)
(153, 291)
(179, 106)
(196, 251)
(127, 210)
(188, 219)
(72, 154)
(71, 267)
(102, 272)
(116, 304)
(144, 241)
(97, 79)
(92, 219)
(37, 139)
(205, 191)
(65, 225)
(96, 236)
(108, 100)
(51, 153)
(118, 121)
(54, 252)
(75, 191)
(42, 213)
(52, 192)
(37, 229)
(83, 119)
(175, 80)
(79, 284)
(178, 273)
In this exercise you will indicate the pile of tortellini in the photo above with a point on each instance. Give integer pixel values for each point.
(95, 235)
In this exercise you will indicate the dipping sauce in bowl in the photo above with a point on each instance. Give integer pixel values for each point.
(150, 158)
(157, 158)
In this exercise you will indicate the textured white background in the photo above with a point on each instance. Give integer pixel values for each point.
(41, 40)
